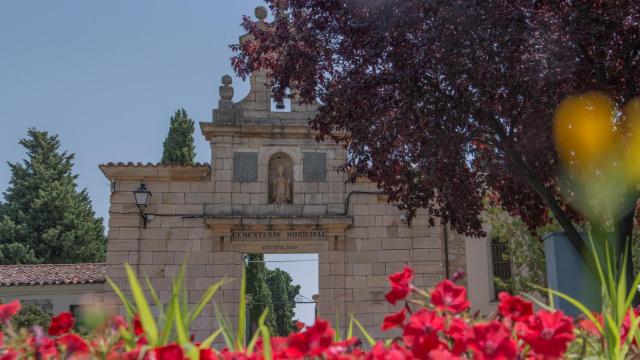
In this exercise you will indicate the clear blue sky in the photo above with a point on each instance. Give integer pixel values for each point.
(107, 75)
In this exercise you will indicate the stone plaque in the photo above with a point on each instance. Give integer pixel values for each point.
(279, 235)
(314, 166)
(245, 166)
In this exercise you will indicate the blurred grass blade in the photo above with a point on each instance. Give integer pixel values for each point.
(252, 342)
(183, 338)
(131, 311)
(336, 335)
(575, 303)
(242, 310)
(350, 330)
(364, 332)
(169, 319)
(153, 293)
(208, 341)
(266, 337)
(536, 301)
(208, 295)
(223, 324)
(146, 317)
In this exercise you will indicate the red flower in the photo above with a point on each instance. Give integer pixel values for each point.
(8, 310)
(491, 341)
(626, 325)
(421, 332)
(394, 352)
(548, 333)
(442, 354)
(393, 320)
(514, 307)
(207, 354)
(400, 285)
(450, 297)
(137, 325)
(459, 275)
(312, 342)
(167, 352)
(61, 324)
(74, 344)
(9, 355)
(457, 331)
(299, 325)
(47, 348)
(118, 322)
(341, 348)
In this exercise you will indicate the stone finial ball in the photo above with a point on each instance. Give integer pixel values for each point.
(261, 12)
(226, 80)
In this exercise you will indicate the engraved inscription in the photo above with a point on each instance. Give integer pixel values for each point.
(285, 235)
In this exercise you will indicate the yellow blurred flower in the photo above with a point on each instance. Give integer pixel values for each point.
(583, 130)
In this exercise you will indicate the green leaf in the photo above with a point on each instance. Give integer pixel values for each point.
(206, 297)
(364, 332)
(575, 303)
(154, 294)
(350, 330)
(208, 341)
(131, 311)
(183, 338)
(266, 337)
(537, 301)
(336, 335)
(242, 310)
(146, 317)
(168, 322)
(252, 342)
(226, 331)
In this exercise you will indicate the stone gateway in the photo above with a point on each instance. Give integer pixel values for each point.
(271, 187)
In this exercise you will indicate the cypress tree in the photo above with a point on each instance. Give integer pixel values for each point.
(45, 218)
(179, 147)
(272, 290)
(258, 292)
(283, 297)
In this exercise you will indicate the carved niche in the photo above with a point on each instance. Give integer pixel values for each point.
(280, 179)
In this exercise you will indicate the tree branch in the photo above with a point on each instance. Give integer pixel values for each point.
(546, 195)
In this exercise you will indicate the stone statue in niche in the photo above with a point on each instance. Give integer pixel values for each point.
(281, 194)
(280, 179)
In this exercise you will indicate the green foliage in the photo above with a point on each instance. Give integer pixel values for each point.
(270, 290)
(525, 250)
(259, 297)
(179, 147)
(45, 218)
(283, 298)
(30, 315)
(173, 322)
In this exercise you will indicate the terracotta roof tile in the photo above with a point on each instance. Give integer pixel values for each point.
(52, 274)
(150, 164)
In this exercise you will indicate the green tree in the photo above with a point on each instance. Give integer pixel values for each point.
(273, 290)
(258, 293)
(45, 218)
(179, 147)
(30, 315)
(525, 250)
(283, 298)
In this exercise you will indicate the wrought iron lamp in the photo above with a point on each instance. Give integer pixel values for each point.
(142, 195)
